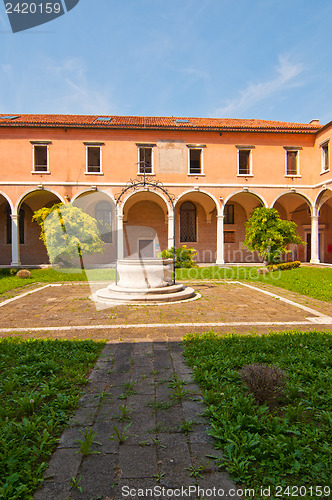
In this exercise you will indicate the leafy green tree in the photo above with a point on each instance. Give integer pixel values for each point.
(68, 231)
(269, 235)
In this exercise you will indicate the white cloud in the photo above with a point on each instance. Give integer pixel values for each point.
(287, 73)
(7, 70)
(72, 91)
(3, 22)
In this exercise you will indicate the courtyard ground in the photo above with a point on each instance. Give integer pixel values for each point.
(66, 311)
(142, 368)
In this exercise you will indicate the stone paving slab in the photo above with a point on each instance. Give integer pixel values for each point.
(219, 303)
(155, 460)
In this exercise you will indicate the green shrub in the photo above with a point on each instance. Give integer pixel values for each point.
(184, 257)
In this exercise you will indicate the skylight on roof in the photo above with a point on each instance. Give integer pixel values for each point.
(102, 119)
(9, 117)
(180, 120)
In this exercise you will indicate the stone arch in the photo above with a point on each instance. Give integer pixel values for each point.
(146, 194)
(202, 191)
(237, 208)
(32, 251)
(297, 207)
(249, 192)
(324, 195)
(91, 191)
(6, 209)
(88, 200)
(145, 223)
(207, 211)
(35, 192)
(10, 203)
(293, 193)
(323, 209)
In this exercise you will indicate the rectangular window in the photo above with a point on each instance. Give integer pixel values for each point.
(325, 157)
(195, 161)
(40, 158)
(244, 162)
(229, 237)
(229, 214)
(292, 163)
(145, 160)
(93, 159)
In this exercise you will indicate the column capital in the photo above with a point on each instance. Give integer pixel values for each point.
(14, 216)
(220, 217)
(314, 217)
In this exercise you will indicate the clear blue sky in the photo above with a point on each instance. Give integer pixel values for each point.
(268, 59)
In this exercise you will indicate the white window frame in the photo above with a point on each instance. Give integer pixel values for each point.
(93, 145)
(201, 148)
(323, 145)
(293, 150)
(45, 144)
(245, 148)
(145, 146)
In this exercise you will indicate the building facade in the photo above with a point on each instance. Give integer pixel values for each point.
(213, 172)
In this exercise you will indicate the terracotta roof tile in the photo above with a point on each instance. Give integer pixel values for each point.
(156, 122)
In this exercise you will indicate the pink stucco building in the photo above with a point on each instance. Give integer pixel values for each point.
(216, 171)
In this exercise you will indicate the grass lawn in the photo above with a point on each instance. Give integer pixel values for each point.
(40, 384)
(287, 443)
(9, 281)
(311, 281)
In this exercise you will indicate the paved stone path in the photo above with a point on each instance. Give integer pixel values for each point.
(144, 378)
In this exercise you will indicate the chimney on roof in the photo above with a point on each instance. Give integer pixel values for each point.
(315, 121)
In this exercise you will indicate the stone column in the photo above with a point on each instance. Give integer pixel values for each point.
(314, 239)
(220, 240)
(119, 220)
(171, 222)
(16, 261)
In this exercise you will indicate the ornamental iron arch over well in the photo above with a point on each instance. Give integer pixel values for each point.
(145, 183)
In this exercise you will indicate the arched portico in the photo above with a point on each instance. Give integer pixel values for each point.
(199, 225)
(323, 211)
(143, 224)
(27, 248)
(237, 209)
(6, 209)
(297, 207)
(100, 205)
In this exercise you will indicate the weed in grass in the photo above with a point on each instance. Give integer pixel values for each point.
(195, 471)
(176, 382)
(186, 426)
(125, 413)
(160, 428)
(101, 396)
(75, 483)
(179, 393)
(265, 382)
(87, 442)
(129, 390)
(159, 477)
(154, 372)
(156, 441)
(144, 443)
(119, 436)
(159, 405)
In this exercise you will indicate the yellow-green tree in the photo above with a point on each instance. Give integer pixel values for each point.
(68, 231)
(270, 235)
